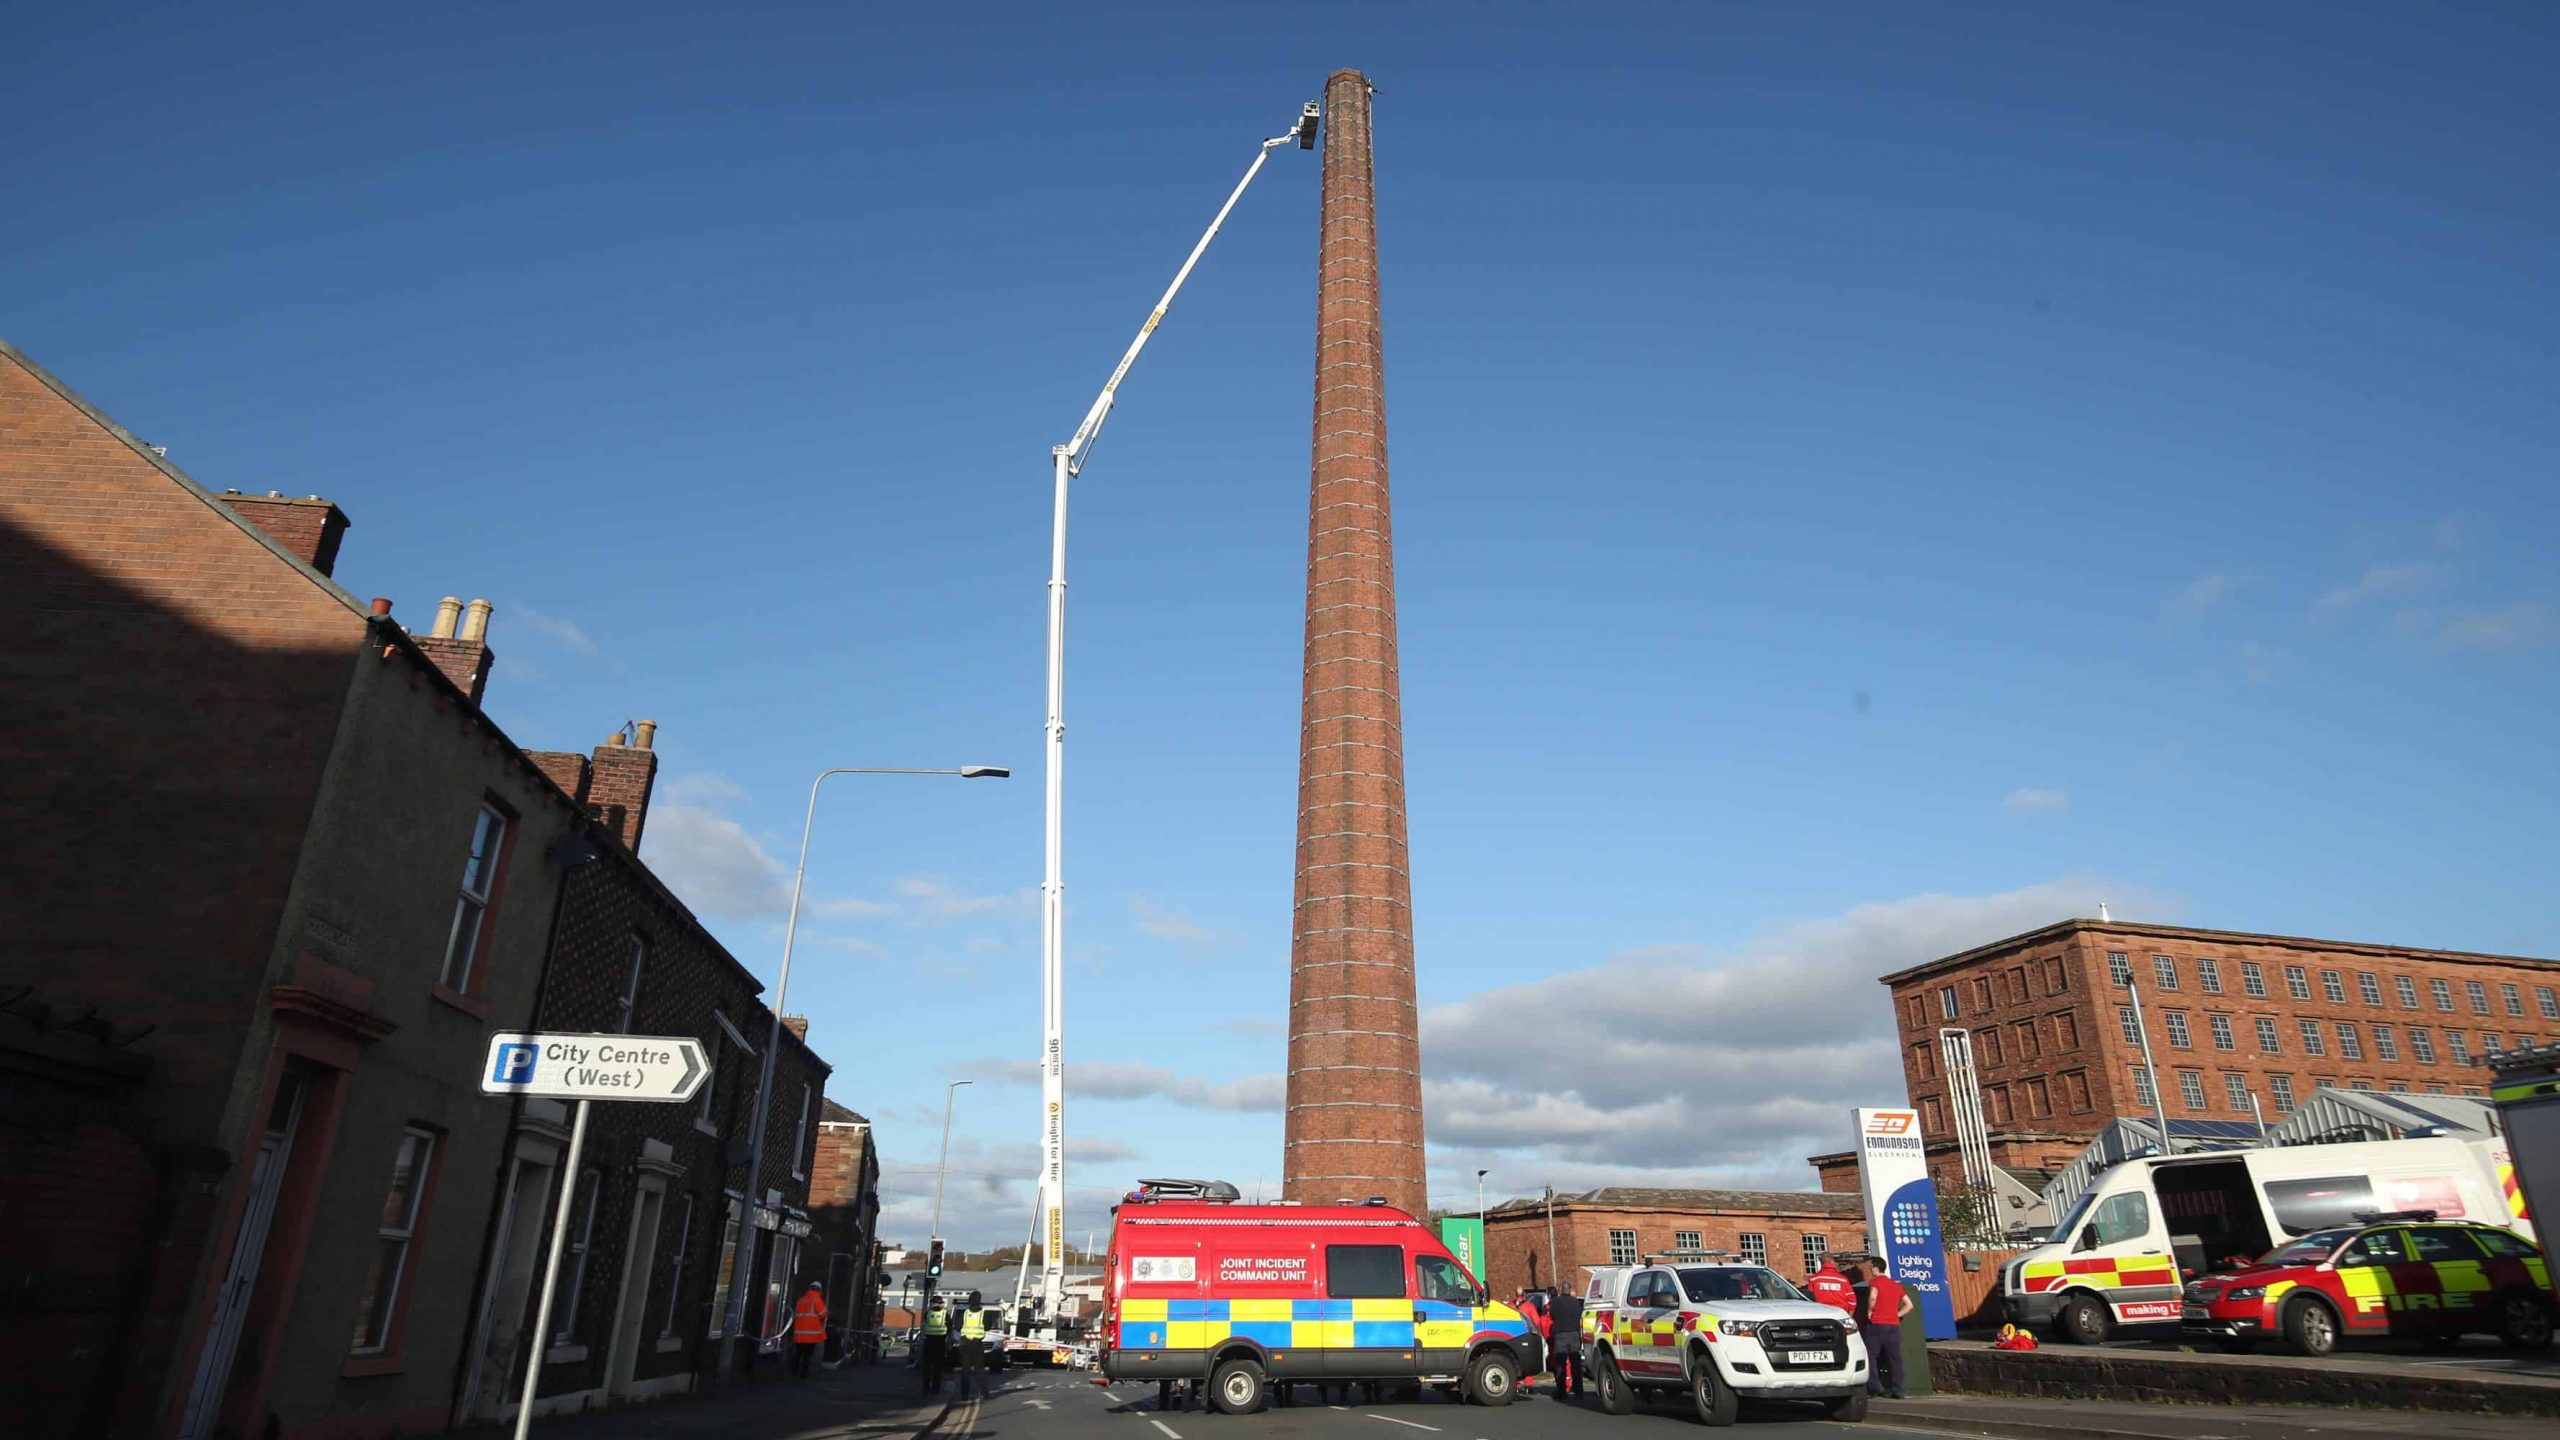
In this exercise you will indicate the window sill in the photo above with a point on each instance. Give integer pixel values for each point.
(671, 1344)
(564, 1354)
(358, 1366)
(471, 1005)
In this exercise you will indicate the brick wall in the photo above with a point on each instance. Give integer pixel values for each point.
(1516, 1243)
(2038, 1048)
(310, 527)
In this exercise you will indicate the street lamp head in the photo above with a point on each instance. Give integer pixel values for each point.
(1482, 1173)
(984, 772)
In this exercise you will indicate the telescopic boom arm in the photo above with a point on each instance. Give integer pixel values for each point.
(1066, 461)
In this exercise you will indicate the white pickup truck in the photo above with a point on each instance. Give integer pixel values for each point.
(1720, 1333)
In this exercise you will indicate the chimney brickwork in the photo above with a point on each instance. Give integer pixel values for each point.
(567, 768)
(464, 657)
(1354, 1123)
(310, 527)
(618, 787)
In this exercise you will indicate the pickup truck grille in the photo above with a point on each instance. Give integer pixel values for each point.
(1779, 1338)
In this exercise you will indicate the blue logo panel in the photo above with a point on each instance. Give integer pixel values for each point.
(1916, 1249)
(515, 1064)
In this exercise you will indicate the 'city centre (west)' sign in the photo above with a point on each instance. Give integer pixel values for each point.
(664, 1068)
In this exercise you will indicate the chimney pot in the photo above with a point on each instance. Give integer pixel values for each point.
(475, 621)
(381, 605)
(272, 494)
(448, 611)
(648, 734)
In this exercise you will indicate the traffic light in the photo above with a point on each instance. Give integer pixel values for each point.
(933, 1261)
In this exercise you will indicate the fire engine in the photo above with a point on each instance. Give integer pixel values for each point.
(1248, 1296)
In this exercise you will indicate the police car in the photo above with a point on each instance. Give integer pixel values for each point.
(2399, 1274)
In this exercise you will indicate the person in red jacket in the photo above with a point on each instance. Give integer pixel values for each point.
(1829, 1286)
(1887, 1304)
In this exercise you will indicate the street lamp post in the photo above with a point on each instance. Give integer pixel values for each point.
(942, 1166)
(739, 1256)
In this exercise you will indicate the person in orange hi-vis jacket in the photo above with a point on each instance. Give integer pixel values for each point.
(808, 1329)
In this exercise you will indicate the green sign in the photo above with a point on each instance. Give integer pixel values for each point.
(1465, 1239)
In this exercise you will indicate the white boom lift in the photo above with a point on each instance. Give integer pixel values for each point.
(1066, 461)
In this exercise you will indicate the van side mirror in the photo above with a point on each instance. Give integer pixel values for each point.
(2088, 1238)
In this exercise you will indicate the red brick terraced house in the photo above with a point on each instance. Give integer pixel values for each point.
(275, 875)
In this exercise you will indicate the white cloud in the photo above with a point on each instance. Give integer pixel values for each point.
(2517, 627)
(850, 908)
(1734, 1066)
(933, 897)
(1172, 925)
(1252, 1027)
(2035, 801)
(563, 633)
(1128, 1080)
(2198, 596)
(2377, 582)
(1094, 1149)
(714, 864)
(700, 787)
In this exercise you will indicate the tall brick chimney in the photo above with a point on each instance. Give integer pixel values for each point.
(624, 774)
(464, 657)
(309, 527)
(1354, 1125)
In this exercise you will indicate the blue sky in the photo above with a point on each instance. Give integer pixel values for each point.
(1867, 479)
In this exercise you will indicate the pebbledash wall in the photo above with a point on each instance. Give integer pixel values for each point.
(1620, 1224)
(250, 1184)
(2230, 1014)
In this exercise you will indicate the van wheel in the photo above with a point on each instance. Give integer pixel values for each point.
(1850, 1409)
(2082, 1320)
(1717, 1404)
(2524, 1322)
(1235, 1387)
(1616, 1396)
(2311, 1327)
(1492, 1378)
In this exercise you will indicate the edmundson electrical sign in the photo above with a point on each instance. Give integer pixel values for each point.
(1901, 1203)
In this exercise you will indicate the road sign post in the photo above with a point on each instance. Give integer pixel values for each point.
(654, 1069)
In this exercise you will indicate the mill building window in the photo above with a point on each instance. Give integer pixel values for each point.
(2165, 969)
(2458, 1045)
(2442, 991)
(2478, 995)
(2385, 1045)
(2281, 1088)
(2221, 1027)
(2178, 1030)
(2297, 982)
(2311, 1042)
(2119, 968)
(2253, 979)
(2142, 1091)
(1622, 1247)
(1947, 1002)
(2334, 986)
(2350, 1044)
(2191, 1089)
(2369, 987)
(2407, 989)
(2235, 1088)
(2547, 1000)
(2209, 976)
(2422, 1045)
(2268, 1043)
(2131, 1027)
(2513, 998)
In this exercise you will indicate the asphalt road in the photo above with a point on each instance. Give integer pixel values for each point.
(1071, 1407)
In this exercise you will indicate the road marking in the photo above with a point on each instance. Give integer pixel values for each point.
(1416, 1424)
(1169, 1430)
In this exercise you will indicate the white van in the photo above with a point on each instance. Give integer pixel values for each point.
(2146, 1227)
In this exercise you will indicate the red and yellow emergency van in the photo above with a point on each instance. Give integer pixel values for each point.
(1246, 1296)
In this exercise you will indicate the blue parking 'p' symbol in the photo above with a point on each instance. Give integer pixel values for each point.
(515, 1064)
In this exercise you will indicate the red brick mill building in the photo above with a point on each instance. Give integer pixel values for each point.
(275, 875)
